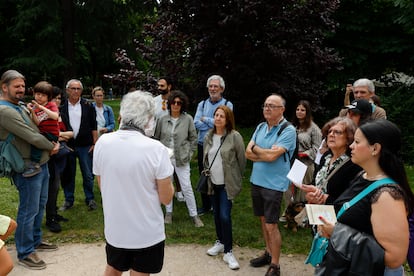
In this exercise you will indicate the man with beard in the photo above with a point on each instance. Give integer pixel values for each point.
(164, 88)
(15, 123)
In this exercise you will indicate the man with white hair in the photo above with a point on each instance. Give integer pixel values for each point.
(204, 121)
(134, 175)
(363, 89)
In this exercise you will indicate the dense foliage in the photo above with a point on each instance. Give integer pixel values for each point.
(258, 47)
(302, 49)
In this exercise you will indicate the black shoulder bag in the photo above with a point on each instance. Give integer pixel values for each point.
(202, 185)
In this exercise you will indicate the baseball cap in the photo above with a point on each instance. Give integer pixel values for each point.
(360, 106)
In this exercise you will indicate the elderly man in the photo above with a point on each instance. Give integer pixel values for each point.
(134, 221)
(15, 121)
(269, 181)
(82, 120)
(204, 121)
(363, 89)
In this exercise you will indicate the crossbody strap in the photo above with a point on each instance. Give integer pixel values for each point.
(362, 194)
(217, 152)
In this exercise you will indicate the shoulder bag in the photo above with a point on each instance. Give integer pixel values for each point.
(202, 184)
(319, 243)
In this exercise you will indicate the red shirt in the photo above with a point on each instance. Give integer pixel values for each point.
(46, 124)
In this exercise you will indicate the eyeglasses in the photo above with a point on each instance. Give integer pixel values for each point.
(271, 106)
(164, 105)
(75, 88)
(177, 103)
(335, 132)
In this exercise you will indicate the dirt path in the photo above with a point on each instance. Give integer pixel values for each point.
(89, 260)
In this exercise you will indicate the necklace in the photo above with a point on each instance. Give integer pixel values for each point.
(375, 177)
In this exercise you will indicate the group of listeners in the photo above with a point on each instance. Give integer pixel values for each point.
(349, 153)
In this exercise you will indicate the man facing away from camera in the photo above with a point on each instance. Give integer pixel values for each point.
(134, 175)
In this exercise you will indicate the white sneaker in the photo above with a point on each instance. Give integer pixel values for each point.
(229, 259)
(218, 247)
(180, 196)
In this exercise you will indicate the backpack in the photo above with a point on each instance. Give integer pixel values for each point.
(204, 102)
(10, 159)
(295, 151)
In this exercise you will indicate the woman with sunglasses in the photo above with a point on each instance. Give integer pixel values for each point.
(177, 132)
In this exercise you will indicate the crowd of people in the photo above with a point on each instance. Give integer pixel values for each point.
(348, 154)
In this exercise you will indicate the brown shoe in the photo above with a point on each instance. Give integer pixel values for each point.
(262, 260)
(33, 262)
(46, 247)
(274, 270)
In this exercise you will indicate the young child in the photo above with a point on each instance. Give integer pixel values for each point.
(45, 115)
(7, 226)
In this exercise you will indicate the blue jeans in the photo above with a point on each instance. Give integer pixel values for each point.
(69, 174)
(32, 200)
(222, 217)
(399, 271)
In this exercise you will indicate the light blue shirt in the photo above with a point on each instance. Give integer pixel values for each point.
(272, 175)
(206, 109)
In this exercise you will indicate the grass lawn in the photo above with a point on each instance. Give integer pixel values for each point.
(87, 226)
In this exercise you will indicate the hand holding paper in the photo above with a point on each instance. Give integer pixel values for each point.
(297, 172)
(314, 211)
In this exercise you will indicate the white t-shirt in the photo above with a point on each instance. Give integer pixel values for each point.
(159, 112)
(216, 170)
(128, 164)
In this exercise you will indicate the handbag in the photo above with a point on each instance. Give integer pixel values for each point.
(202, 184)
(319, 243)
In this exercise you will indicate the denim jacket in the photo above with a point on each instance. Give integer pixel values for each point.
(109, 117)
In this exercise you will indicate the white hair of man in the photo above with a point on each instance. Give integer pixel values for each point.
(365, 82)
(137, 109)
(74, 80)
(216, 77)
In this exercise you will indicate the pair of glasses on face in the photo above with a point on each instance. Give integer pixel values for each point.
(271, 106)
(335, 132)
(179, 103)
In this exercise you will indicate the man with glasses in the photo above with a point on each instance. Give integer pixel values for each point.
(82, 119)
(204, 121)
(268, 178)
(363, 89)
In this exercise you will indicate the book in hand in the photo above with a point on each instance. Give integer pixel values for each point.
(314, 211)
(297, 173)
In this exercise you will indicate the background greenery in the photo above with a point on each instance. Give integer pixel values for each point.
(301, 49)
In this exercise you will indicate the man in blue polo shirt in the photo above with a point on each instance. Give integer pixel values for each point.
(204, 121)
(270, 167)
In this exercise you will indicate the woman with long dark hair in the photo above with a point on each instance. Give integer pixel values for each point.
(383, 212)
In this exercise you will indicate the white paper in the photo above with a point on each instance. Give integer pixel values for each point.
(314, 211)
(297, 173)
(318, 153)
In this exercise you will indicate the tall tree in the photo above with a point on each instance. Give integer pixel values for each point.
(259, 47)
(63, 39)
